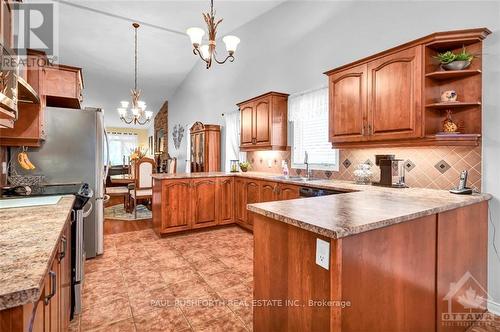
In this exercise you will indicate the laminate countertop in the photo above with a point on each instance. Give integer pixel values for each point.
(29, 238)
(359, 209)
(338, 216)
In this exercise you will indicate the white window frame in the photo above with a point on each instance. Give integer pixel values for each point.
(112, 134)
(299, 164)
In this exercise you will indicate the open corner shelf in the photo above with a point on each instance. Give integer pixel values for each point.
(442, 75)
(451, 105)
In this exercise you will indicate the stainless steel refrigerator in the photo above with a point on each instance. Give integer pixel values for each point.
(75, 150)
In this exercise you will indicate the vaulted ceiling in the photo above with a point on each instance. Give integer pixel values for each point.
(98, 36)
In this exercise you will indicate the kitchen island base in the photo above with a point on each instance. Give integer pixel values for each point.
(395, 278)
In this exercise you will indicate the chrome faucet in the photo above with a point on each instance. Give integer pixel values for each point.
(306, 162)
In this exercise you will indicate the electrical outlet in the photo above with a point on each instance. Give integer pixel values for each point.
(323, 254)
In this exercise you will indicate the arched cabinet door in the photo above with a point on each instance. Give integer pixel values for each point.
(247, 125)
(240, 204)
(268, 191)
(176, 198)
(204, 206)
(394, 90)
(226, 200)
(347, 120)
(262, 122)
(252, 196)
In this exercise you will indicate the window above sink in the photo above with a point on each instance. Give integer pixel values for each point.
(308, 115)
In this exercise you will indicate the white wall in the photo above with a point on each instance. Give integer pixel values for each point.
(288, 48)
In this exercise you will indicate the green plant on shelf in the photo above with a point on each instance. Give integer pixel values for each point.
(449, 56)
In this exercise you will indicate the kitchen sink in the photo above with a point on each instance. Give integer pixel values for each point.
(294, 178)
(28, 201)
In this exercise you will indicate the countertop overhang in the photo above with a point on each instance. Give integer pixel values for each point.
(29, 238)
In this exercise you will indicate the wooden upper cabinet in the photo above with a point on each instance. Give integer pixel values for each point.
(264, 122)
(204, 207)
(394, 95)
(393, 98)
(63, 86)
(347, 117)
(225, 199)
(247, 134)
(176, 198)
(29, 128)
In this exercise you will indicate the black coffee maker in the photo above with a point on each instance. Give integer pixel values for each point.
(392, 171)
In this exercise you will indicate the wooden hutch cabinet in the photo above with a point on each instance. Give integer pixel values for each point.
(205, 148)
(264, 122)
(393, 98)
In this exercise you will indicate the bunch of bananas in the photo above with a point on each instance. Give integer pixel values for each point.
(24, 161)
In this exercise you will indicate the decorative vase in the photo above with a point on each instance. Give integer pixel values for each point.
(363, 174)
(449, 96)
(449, 126)
(456, 65)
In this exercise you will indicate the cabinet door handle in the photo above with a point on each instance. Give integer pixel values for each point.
(370, 132)
(53, 287)
(64, 242)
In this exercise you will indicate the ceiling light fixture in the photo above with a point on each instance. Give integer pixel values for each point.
(207, 52)
(138, 113)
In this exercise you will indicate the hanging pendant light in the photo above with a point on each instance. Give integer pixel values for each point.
(207, 52)
(137, 113)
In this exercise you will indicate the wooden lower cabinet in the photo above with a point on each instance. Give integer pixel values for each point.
(252, 189)
(288, 191)
(395, 278)
(184, 204)
(51, 313)
(175, 203)
(240, 195)
(204, 202)
(226, 200)
(268, 191)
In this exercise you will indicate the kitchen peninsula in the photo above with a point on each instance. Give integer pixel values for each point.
(392, 252)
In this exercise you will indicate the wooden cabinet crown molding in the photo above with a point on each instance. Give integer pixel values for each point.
(468, 35)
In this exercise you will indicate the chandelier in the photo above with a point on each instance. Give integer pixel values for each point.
(207, 52)
(137, 113)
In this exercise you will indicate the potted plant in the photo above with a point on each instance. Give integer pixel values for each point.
(244, 166)
(452, 61)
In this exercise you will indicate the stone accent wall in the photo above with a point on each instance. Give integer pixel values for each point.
(426, 167)
(161, 122)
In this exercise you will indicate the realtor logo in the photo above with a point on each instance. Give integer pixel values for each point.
(34, 27)
(466, 302)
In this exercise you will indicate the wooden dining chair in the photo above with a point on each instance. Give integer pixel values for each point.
(143, 187)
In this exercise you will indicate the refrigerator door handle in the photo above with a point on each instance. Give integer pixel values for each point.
(89, 210)
(108, 161)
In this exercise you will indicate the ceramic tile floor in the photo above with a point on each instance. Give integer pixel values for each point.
(195, 282)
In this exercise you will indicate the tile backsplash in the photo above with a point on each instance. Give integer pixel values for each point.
(426, 167)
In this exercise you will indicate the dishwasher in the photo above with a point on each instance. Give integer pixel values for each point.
(315, 192)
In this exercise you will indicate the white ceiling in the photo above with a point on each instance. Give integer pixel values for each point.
(97, 36)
